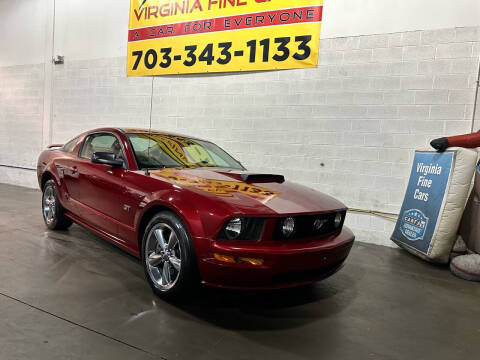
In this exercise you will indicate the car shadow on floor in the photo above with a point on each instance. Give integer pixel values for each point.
(224, 308)
(270, 309)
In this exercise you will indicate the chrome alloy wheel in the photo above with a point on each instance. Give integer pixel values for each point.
(162, 256)
(49, 205)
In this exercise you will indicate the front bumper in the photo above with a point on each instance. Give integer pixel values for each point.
(286, 264)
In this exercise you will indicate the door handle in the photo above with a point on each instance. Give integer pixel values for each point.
(72, 169)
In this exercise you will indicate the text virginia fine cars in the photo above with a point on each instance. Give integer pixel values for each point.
(191, 212)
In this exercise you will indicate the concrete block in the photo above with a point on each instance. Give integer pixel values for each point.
(399, 97)
(434, 67)
(330, 57)
(431, 97)
(387, 83)
(364, 153)
(311, 99)
(465, 34)
(464, 66)
(367, 98)
(322, 85)
(396, 156)
(374, 41)
(476, 50)
(343, 43)
(425, 52)
(414, 112)
(417, 82)
(457, 127)
(455, 112)
(454, 51)
(359, 70)
(340, 98)
(366, 126)
(357, 56)
(352, 84)
(382, 111)
(395, 39)
(451, 82)
(411, 38)
(432, 37)
(387, 55)
(402, 68)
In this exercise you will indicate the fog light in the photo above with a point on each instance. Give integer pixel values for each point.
(233, 228)
(251, 261)
(224, 258)
(338, 220)
(288, 227)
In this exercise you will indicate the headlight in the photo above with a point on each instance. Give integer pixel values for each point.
(242, 228)
(233, 228)
(338, 220)
(288, 227)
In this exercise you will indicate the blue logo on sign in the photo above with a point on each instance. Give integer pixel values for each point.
(414, 224)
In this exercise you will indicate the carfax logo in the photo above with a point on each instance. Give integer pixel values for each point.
(414, 224)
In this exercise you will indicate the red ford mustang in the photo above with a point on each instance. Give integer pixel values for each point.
(191, 212)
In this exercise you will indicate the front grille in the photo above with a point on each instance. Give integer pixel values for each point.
(305, 226)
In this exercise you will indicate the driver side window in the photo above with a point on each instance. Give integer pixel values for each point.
(101, 143)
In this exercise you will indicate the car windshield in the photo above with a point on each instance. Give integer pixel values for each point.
(154, 151)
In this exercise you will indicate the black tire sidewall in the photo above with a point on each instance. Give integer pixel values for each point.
(61, 222)
(187, 278)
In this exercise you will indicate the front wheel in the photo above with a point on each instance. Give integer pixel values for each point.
(52, 210)
(168, 256)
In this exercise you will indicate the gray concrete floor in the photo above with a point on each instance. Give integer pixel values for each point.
(71, 295)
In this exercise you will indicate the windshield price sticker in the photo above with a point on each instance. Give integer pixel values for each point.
(199, 36)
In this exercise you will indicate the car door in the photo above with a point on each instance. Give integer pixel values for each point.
(66, 166)
(102, 187)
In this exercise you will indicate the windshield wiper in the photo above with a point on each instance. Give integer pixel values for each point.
(159, 167)
(205, 164)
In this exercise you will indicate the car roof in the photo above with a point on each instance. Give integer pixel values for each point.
(142, 131)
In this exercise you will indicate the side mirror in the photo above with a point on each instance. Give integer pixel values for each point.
(106, 158)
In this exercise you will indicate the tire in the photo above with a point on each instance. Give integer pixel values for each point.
(170, 269)
(52, 211)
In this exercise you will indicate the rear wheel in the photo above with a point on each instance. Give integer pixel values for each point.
(168, 256)
(52, 210)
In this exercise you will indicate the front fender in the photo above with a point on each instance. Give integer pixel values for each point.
(187, 213)
(202, 215)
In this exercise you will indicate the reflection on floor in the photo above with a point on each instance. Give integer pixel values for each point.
(72, 295)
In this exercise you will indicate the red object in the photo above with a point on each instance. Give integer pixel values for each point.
(112, 202)
(466, 141)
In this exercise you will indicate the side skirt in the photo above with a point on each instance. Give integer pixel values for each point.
(107, 236)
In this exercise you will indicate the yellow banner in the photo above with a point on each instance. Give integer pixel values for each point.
(199, 36)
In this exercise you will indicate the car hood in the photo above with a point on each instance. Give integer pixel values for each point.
(249, 193)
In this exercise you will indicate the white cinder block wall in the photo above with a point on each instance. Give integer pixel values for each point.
(348, 127)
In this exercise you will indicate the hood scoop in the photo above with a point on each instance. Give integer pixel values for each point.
(263, 178)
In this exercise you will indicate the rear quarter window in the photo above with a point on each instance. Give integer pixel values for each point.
(70, 146)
